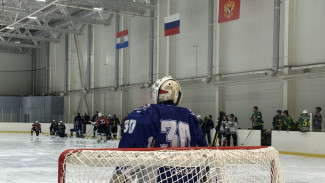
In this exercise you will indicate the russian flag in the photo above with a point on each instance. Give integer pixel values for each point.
(172, 24)
(122, 39)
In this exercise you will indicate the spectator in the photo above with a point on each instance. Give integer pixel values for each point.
(256, 119)
(287, 122)
(207, 126)
(114, 123)
(317, 120)
(231, 127)
(304, 121)
(277, 120)
(222, 131)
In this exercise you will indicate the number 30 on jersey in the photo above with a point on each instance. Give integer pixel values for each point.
(129, 126)
(177, 133)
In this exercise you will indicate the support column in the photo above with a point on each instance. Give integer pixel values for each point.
(89, 57)
(210, 40)
(289, 9)
(151, 44)
(47, 68)
(66, 66)
(33, 70)
(289, 96)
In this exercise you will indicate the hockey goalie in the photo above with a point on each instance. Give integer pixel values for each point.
(161, 124)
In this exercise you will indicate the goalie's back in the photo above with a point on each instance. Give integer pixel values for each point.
(159, 125)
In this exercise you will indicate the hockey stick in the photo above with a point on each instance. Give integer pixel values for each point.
(247, 137)
(87, 134)
(44, 134)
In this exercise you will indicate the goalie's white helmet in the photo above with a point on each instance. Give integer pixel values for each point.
(99, 114)
(166, 89)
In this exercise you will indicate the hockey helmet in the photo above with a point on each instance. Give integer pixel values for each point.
(37, 122)
(198, 116)
(99, 114)
(166, 89)
(109, 116)
(305, 112)
(61, 122)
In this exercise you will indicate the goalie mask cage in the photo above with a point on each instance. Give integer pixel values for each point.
(198, 164)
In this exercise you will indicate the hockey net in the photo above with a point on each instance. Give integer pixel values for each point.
(236, 164)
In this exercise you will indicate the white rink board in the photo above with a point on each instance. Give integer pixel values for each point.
(26, 127)
(248, 137)
(308, 142)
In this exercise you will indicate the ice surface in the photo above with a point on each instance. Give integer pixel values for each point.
(26, 159)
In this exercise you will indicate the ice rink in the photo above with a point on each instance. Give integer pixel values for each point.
(26, 159)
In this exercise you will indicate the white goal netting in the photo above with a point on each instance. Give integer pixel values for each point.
(173, 165)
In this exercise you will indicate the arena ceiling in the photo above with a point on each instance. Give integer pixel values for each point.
(26, 23)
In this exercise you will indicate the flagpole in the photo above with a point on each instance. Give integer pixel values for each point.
(158, 38)
(167, 40)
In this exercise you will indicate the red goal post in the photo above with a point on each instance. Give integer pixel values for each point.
(195, 164)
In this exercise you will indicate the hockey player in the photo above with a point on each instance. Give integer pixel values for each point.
(76, 128)
(162, 124)
(37, 128)
(220, 119)
(231, 129)
(101, 123)
(222, 137)
(199, 118)
(206, 127)
(304, 121)
(317, 120)
(257, 119)
(287, 122)
(114, 123)
(62, 129)
(54, 128)
(108, 127)
(277, 120)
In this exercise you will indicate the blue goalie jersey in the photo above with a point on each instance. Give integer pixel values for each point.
(158, 125)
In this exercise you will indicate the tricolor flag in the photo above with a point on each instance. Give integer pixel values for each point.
(172, 24)
(122, 39)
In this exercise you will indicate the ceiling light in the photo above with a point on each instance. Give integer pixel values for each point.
(30, 17)
(41, 0)
(98, 9)
(11, 28)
